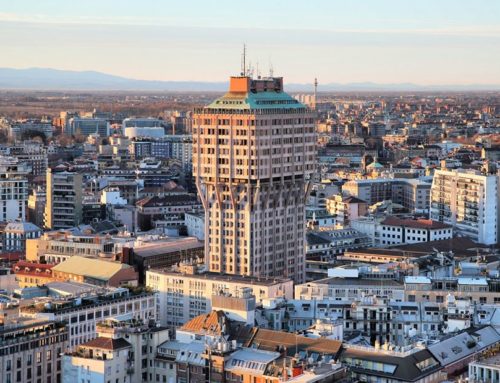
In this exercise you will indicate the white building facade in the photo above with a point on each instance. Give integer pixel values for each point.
(469, 201)
(185, 294)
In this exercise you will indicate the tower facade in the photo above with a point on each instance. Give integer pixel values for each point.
(253, 153)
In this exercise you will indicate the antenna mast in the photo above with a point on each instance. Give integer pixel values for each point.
(315, 92)
(243, 61)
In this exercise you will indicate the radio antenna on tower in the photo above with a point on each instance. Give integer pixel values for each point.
(315, 92)
(243, 61)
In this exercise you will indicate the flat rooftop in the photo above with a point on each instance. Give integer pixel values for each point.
(357, 282)
(493, 361)
(165, 246)
(263, 281)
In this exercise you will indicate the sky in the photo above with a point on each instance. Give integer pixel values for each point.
(428, 42)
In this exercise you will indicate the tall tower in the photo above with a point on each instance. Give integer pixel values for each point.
(253, 154)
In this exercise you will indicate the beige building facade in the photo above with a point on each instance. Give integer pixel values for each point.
(253, 154)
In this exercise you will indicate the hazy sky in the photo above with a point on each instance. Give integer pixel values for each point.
(384, 41)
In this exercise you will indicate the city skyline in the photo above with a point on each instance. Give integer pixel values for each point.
(421, 43)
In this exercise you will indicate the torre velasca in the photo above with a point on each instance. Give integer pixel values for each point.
(253, 154)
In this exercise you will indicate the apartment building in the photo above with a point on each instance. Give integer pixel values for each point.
(351, 287)
(391, 230)
(253, 154)
(195, 224)
(31, 352)
(469, 201)
(36, 207)
(187, 292)
(16, 233)
(182, 150)
(13, 189)
(58, 246)
(323, 247)
(63, 208)
(167, 210)
(413, 194)
(479, 290)
(124, 349)
(99, 360)
(29, 274)
(34, 154)
(83, 306)
(345, 209)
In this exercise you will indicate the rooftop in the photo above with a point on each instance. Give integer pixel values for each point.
(213, 323)
(263, 281)
(463, 344)
(415, 223)
(168, 200)
(357, 282)
(107, 343)
(271, 340)
(21, 227)
(460, 246)
(90, 267)
(168, 245)
(246, 94)
(13, 334)
(407, 368)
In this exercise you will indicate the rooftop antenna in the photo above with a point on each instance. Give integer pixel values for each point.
(243, 61)
(271, 69)
(258, 70)
(315, 92)
(250, 70)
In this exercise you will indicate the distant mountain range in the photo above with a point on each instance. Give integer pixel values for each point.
(55, 79)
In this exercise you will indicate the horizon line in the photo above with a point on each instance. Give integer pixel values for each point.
(363, 82)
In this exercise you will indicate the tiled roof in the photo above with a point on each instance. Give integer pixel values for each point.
(271, 340)
(29, 268)
(107, 343)
(214, 323)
